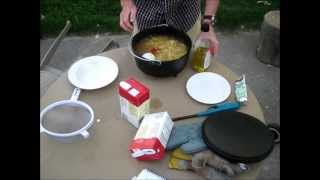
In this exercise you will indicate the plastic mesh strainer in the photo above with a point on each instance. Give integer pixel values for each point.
(67, 118)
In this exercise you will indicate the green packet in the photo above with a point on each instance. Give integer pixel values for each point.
(241, 90)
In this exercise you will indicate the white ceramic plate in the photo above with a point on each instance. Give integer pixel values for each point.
(208, 88)
(93, 72)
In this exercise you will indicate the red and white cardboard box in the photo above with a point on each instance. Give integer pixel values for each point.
(152, 137)
(134, 100)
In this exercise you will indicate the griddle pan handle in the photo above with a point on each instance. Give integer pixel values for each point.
(275, 130)
(226, 106)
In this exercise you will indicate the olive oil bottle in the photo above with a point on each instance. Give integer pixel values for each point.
(201, 58)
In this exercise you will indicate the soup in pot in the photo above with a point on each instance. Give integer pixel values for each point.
(163, 47)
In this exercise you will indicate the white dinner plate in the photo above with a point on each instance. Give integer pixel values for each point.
(208, 88)
(93, 72)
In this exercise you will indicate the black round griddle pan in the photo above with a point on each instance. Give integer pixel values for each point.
(239, 137)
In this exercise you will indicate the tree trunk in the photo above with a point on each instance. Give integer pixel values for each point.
(268, 50)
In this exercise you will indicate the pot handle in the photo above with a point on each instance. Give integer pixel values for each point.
(275, 130)
(85, 134)
(41, 129)
(160, 25)
(75, 95)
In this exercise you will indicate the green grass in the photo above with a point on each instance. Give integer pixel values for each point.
(85, 15)
(234, 13)
(91, 16)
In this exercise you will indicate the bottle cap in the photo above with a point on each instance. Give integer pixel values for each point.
(205, 27)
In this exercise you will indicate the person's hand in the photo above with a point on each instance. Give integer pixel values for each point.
(213, 41)
(127, 15)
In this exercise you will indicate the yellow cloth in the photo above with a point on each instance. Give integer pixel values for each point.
(179, 160)
(179, 164)
(180, 154)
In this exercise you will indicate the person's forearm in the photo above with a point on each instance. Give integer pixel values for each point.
(124, 2)
(211, 7)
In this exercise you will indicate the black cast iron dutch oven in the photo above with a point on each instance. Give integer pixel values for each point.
(158, 68)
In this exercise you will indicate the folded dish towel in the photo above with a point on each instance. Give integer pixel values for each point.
(188, 137)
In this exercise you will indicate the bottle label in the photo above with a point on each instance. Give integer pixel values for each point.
(207, 60)
(241, 90)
